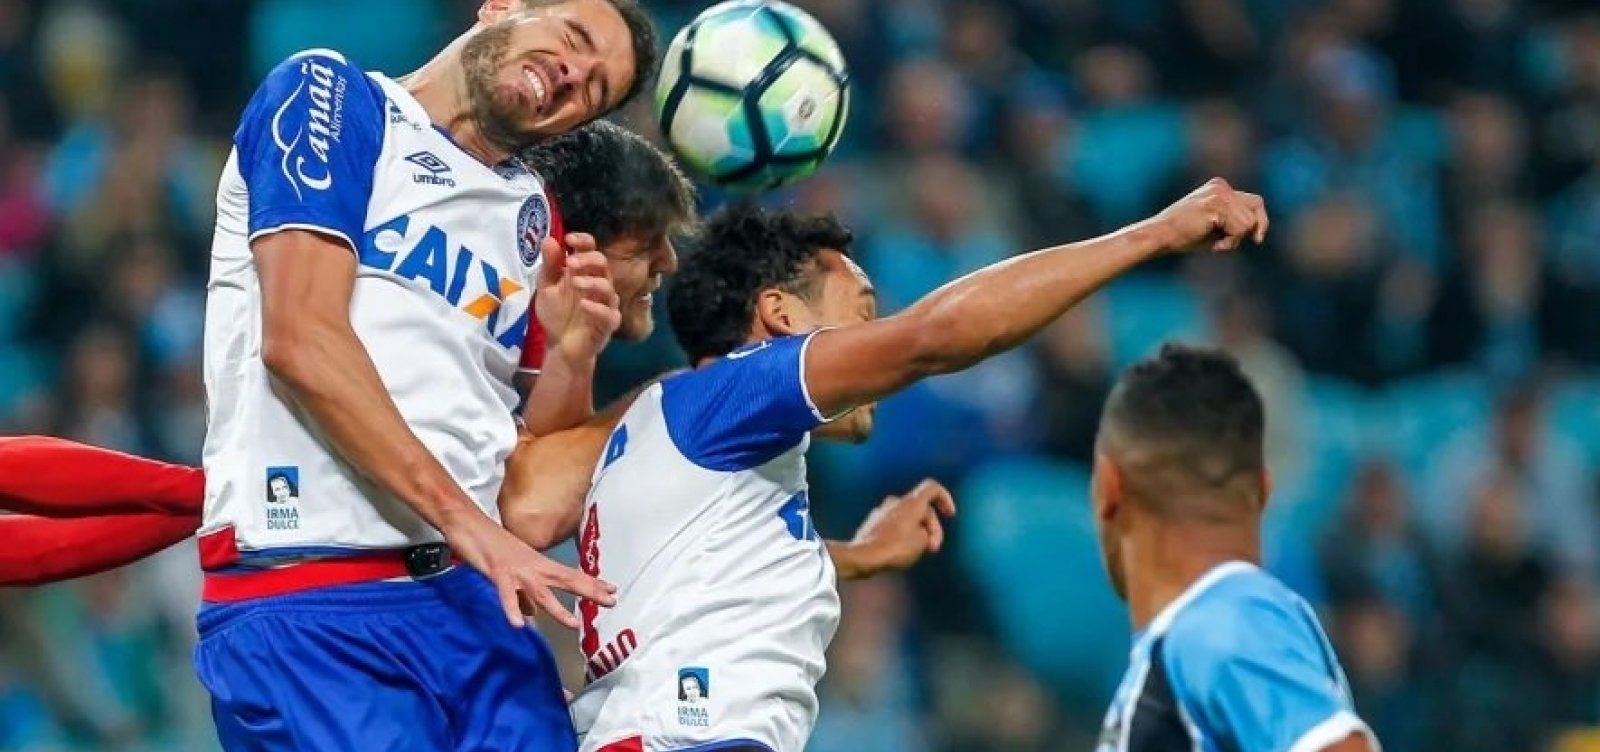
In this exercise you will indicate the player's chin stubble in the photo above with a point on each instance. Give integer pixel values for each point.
(481, 60)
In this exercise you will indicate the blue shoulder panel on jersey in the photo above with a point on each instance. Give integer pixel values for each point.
(308, 144)
(1250, 663)
(743, 410)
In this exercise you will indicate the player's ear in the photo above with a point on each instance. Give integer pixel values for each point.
(779, 313)
(1266, 488)
(494, 10)
(1106, 489)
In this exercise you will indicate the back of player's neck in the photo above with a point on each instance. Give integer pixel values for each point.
(1175, 561)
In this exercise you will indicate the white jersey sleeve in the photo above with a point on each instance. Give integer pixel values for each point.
(307, 163)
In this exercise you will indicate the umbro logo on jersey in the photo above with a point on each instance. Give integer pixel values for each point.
(436, 168)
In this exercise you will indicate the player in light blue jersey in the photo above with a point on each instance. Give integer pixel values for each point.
(1225, 657)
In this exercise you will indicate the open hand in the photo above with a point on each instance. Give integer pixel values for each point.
(1213, 215)
(574, 298)
(523, 577)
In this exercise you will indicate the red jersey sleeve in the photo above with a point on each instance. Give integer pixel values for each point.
(533, 346)
(41, 550)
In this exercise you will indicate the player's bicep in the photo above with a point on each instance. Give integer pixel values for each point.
(856, 365)
(307, 280)
(307, 146)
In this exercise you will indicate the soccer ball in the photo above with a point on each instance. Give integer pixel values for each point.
(753, 94)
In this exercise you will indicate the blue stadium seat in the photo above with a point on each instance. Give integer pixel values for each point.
(22, 373)
(1417, 417)
(17, 288)
(1340, 426)
(1027, 539)
(1145, 310)
(1573, 412)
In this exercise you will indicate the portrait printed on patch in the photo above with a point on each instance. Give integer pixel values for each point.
(283, 485)
(694, 685)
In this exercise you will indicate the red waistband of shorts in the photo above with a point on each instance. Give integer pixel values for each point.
(246, 584)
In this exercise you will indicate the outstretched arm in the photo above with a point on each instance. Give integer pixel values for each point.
(83, 509)
(40, 550)
(51, 477)
(896, 534)
(998, 307)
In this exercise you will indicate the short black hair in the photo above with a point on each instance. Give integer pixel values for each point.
(646, 58)
(610, 182)
(1186, 427)
(742, 250)
(642, 30)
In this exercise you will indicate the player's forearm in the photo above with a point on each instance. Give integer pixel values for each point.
(547, 477)
(853, 561)
(562, 397)
(997, 308)
(328, 372)
(53, 477)
(40, 550)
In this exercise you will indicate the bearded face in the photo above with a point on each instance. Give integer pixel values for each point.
(538, 72)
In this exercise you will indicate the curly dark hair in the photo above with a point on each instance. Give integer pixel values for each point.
(742, 250)
(646, 57)
(1196, 423)
(609, 182)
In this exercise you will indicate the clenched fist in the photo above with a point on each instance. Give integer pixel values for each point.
(1214, 215)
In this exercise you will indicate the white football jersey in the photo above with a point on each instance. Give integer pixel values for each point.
(726, 596)
(447, 250)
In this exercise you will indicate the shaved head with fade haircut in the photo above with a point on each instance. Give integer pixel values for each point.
(1180, 446)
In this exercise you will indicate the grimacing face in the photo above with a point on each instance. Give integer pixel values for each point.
(847, 299)
(639, 261)
(533, 73)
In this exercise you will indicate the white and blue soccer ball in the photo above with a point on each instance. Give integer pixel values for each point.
(753, 94)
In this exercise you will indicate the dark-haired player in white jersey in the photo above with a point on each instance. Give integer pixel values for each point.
(1225, 657)
(699, 511)
(372, 279)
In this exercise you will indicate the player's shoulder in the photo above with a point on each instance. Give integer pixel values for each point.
(742, 409)
(325, 56)
(1236, 607)
(326, 75)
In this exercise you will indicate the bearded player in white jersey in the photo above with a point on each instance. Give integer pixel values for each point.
(697, 508)
(372, 276)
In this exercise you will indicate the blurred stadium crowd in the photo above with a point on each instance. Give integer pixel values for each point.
(1424, 325)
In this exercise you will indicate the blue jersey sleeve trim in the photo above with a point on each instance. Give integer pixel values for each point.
(308, 145)
(743, 410)
(271, 228)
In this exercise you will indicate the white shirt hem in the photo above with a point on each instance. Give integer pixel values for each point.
(1332, 730)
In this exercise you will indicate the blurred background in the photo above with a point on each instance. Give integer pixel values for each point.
(1424, 325)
